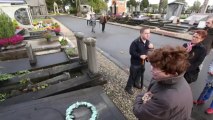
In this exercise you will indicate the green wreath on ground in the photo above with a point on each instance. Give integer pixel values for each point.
(76, 105)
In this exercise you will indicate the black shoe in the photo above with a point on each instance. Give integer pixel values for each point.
(129, 91)
(137, 86)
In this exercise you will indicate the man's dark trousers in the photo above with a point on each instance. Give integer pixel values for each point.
(136, 72)
(103, 26)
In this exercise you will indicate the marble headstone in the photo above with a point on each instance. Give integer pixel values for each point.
(174, 9)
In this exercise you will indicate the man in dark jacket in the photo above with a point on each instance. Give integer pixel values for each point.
(138, 51)
(103, 21)
(169, 96)
(208, 42)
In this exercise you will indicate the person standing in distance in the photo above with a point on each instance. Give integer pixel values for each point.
(208, 41)
(138, 51)
(93, 22)
(88, 18)
(103, 21)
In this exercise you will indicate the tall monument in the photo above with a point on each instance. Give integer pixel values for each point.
(204, 6)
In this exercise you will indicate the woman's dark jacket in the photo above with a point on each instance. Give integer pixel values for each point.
(196, 57)
(171, 100)
(138, 48)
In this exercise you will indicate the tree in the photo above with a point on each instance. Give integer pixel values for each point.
(97, 5)
(196, 6)
(144, 4)
(131, 2)
(162, 5)
(154, 7)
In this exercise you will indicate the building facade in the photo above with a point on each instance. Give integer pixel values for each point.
(116, 6)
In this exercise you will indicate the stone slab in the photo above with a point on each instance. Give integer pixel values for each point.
(13, 54)
(43, 61)
(44, 73)
(42, 44)
(73, 84)
(54, 108)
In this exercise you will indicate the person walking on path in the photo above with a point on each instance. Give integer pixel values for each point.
(103, 21)
(138, 51)
(88, 18)
(169, 96)
(93, 22)
(208, 42)
(197, 53)
(207, 91)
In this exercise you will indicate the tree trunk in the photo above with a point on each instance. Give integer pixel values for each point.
(160, 6)
(204, 6)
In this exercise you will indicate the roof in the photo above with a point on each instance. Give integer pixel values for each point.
(176, 3)
(12, 1)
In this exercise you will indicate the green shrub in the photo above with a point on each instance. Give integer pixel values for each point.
(63, 42)
(7, 29)
(2, 96)
(73, 11)
(15, 24)
(71, 52)
(4, 77)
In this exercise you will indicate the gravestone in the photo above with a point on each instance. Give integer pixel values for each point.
(196, 18)
(174, 9)
(43, 61)
(54, 107)
(201, 25)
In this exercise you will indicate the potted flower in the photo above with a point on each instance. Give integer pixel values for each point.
(48, 36)
(56, 28)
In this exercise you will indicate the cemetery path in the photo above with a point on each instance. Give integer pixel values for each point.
(115, 42)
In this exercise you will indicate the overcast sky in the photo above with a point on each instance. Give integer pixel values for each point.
(190, 2)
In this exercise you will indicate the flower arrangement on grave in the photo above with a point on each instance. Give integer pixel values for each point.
(7, 31)
(76, 105)
(56, 28)
(47, 35)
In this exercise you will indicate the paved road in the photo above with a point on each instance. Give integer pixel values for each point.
(115, 43)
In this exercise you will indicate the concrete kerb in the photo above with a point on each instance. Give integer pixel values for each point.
(181, 36)
(119, 64)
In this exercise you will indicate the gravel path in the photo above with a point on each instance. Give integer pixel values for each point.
(114, 88)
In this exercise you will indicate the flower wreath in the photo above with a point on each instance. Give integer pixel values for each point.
(76, 105)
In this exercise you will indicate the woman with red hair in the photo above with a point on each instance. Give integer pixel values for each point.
(169, 96)
(197, 53)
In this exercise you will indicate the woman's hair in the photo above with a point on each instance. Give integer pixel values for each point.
(201, 33)
(171, 60)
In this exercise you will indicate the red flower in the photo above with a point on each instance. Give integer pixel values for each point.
(12, 40)
(57, 29)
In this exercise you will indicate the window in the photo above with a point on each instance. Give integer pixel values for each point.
(21, 16)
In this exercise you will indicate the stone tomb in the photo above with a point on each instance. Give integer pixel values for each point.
(190, 23)
(43, 61)
(54, 107)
